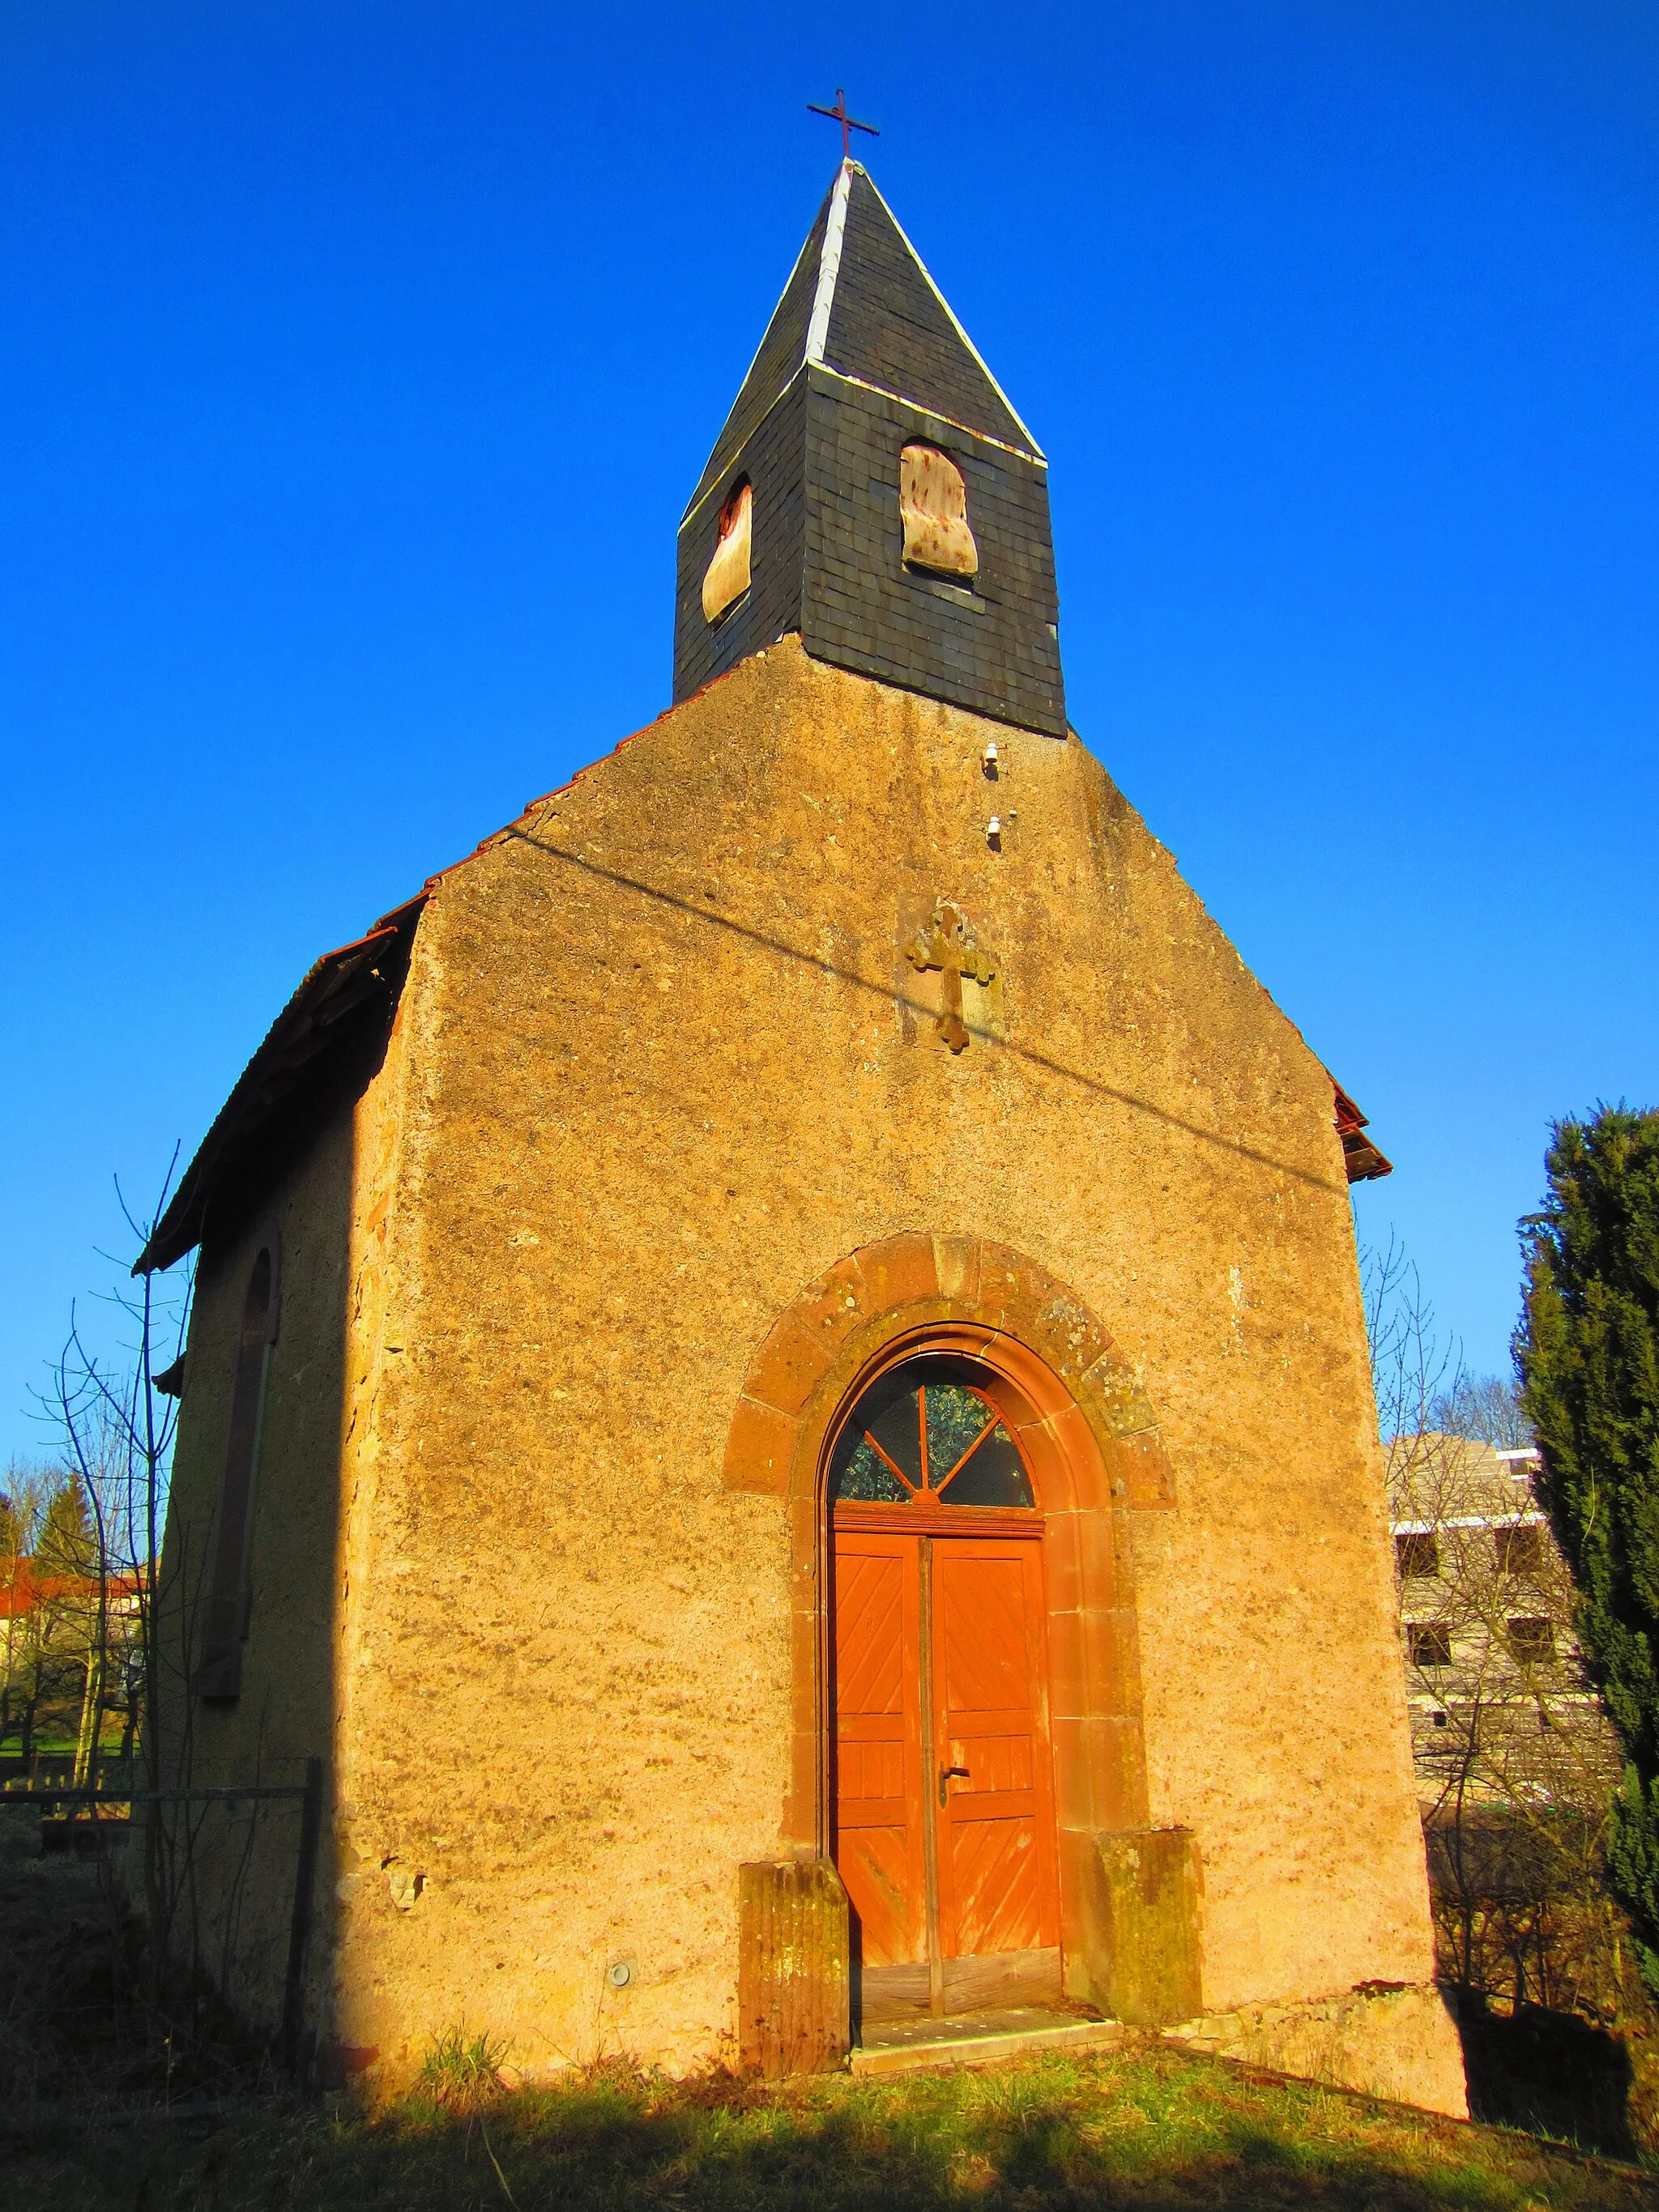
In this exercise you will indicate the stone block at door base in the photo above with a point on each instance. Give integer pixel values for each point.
(793, 1979)
(1133, 1915)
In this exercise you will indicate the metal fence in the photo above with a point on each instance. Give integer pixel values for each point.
(62, 1805)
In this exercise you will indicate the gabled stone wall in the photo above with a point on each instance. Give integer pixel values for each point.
(666, 1063)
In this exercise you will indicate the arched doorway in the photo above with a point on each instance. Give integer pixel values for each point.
(941, 1782)
(1089, 1439)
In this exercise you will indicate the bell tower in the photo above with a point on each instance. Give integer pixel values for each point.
(874, 489)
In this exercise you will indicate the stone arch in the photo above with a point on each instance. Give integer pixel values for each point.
(1091, 1438)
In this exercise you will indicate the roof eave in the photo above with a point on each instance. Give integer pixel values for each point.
(1360, 1157)
(306, 1031)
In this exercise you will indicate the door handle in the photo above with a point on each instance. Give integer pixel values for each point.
(944, 1774)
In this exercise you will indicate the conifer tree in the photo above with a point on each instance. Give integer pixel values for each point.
(67, 1545)
(1587, 1352)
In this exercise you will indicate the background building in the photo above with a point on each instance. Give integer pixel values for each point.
(1515, 1760)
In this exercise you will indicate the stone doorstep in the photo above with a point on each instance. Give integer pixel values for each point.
(982, 2039)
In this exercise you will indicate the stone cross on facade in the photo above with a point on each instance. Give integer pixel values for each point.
(946, 941)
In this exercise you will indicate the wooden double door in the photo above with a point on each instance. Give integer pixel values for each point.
(943, 1779)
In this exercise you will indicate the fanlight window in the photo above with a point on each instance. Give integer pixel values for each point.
(933, 508)
(924, 1433)
(727, 576)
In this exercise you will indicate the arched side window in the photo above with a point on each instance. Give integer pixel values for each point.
(220, 1674)
(933, 507)
(727, 576)
(927, 1435)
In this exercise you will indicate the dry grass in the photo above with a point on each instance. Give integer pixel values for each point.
(1154, 2128)
(65, 2026)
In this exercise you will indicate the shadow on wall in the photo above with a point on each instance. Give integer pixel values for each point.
(246, 1627)
(1550, 2073)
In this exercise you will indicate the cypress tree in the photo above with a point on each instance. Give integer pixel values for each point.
(1587, 1354)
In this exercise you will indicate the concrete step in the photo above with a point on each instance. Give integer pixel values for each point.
(979, 2040)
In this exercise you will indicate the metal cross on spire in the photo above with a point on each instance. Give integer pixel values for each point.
(838, 114)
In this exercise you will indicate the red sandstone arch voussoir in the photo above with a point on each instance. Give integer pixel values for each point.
(891, 1289)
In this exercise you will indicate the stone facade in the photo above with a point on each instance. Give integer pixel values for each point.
(666, 1130)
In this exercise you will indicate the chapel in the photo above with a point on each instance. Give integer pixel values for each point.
(776, 1413)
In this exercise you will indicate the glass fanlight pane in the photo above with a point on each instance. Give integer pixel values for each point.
(892, 1414)
(993, 1476)
(956, 1416)
(860, 1474)
(883, 1441)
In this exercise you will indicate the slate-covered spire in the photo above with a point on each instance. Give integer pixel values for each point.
(865, 409)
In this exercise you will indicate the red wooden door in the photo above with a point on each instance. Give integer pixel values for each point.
(879, 1783)
(943, 1784)
(993, 1806)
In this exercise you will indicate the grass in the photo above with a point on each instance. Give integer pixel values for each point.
(52, 1743)
(460, 2071)
(1153, 2128)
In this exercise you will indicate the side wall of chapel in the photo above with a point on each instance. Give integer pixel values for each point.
(328, 1213)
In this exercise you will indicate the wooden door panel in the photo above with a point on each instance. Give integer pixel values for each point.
(870, 1605)
(998, 1890)
(998, 1761)
(872, 1778)
(1006, 1977)
(997, 1881)
(884, 1886)
(983, 1630)
(879, 1801)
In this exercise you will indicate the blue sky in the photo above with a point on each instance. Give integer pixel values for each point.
(357, 362)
